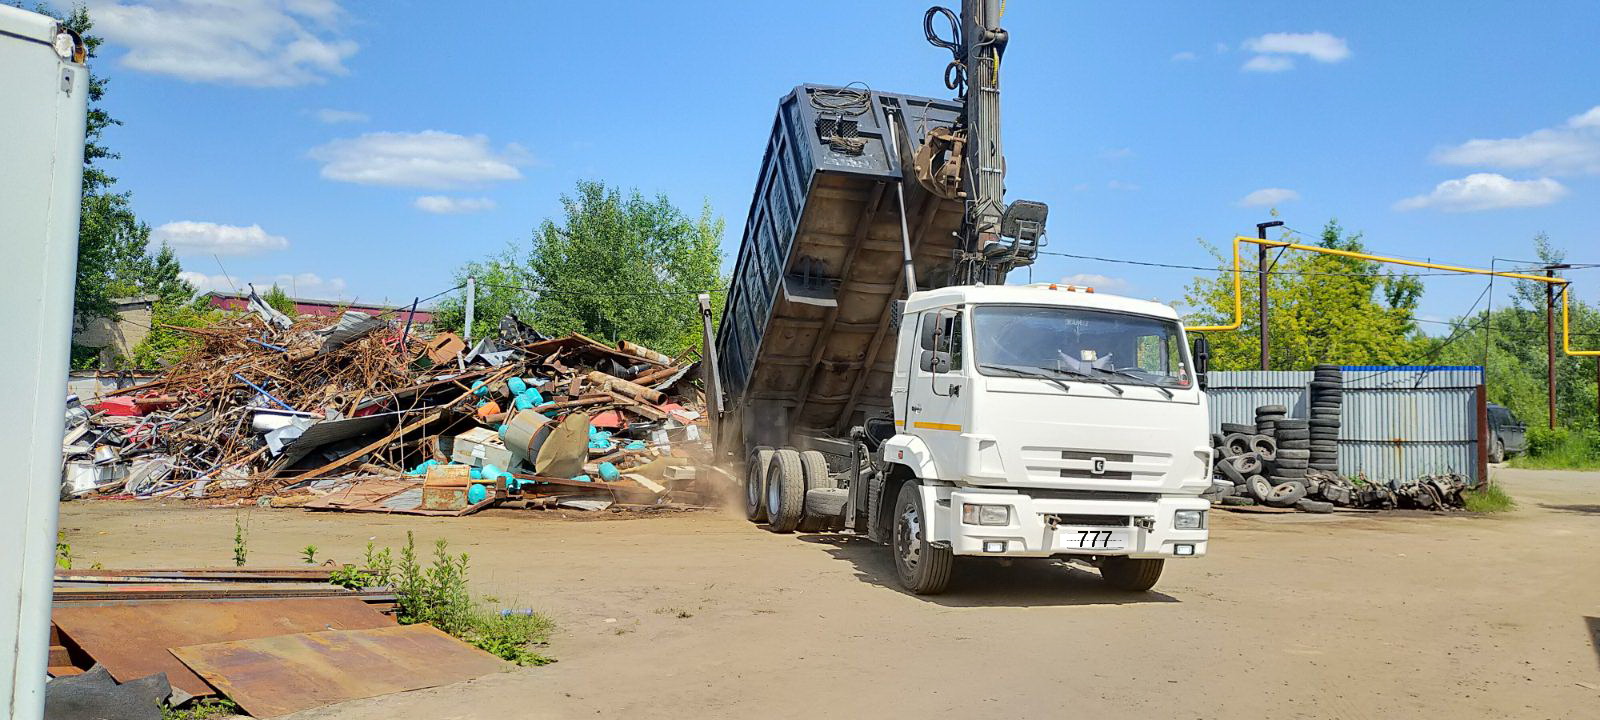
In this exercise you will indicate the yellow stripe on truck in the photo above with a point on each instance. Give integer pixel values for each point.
(936, 426)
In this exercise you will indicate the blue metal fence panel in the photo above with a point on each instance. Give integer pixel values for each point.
(1398, 422)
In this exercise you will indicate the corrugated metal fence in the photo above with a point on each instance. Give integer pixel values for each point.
(1398, 422)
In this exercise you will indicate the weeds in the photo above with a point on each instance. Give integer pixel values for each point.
(309, 554)
(1560, 449)
(203, 709)
(239, 549)
(1490, 498)
(63, 552)
(438, 595)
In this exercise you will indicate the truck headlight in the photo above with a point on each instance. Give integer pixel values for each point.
(1189, 520)
(986, 514)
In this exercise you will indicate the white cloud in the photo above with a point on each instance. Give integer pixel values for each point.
(445, 204)
(1571, 148)
(427, 159)
(1185, 56)
(305, 285)
(1266, 197)
(1116, 153)
(1121, 185)
(1098, 282)
(188, 237)
(1319, 46)
(1222, 47)
(260, 43)
(1486, 191)
(334, 117)
(1268, 63)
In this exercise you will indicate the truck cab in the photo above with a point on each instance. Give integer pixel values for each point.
(1041, 421)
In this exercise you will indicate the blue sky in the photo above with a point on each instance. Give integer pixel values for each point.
(366, 149)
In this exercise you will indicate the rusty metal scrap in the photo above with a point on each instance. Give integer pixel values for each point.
(288, 415)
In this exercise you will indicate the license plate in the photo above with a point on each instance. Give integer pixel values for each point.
(1092, 538)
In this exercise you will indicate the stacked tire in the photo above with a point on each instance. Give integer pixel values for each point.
(1327, 405)
(1286, 473)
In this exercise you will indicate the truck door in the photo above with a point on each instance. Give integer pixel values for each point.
(938, 393)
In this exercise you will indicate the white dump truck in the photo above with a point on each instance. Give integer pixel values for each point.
(874, 375)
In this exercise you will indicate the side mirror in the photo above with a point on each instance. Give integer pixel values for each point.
(935, 362)
(1200, 350)
(929, 332)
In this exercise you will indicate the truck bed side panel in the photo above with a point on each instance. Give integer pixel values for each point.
(805, 347)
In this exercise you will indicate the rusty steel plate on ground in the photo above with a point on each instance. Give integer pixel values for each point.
(274, 676)
(134, 639)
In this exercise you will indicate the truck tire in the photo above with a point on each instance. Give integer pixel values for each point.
(1264, 447)
(786, 491)
(1131, 574)
(1237, 501)
(824, 509)
(924, 568)
(1314, 506)
(1260, 488)
(1287, 494)
(1247, 463)
(1237, 443)
(814, 465)
(1229, 470)
(1497, 453)
(755, 484)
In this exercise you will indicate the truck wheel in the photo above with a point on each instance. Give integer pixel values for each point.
(786, 491)
(814, 465)
(755, 484)
(1498, 452)
(1131, 574)
(924, 568)
(824, 509)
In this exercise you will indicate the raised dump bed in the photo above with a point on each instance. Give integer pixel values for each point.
(805, 346)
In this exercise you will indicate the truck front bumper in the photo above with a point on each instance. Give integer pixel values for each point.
(1049, 527)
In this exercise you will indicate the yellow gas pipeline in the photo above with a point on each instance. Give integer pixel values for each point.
(1238, 286)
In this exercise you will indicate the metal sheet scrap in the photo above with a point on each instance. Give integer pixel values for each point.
(275, 676)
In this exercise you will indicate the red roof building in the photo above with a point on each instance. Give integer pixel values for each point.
(240, 302)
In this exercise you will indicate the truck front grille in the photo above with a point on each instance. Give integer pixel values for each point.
(1090, 520)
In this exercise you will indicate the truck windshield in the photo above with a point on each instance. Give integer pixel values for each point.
(1110, 346)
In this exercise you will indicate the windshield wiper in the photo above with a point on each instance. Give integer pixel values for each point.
(1137, 380)
(1086, 377)
(1030, 374)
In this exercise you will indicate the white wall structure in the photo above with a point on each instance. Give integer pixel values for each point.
(45, 87)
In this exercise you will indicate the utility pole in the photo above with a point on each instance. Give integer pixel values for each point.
(1550, 339)
(472, 295)
(1261, 278)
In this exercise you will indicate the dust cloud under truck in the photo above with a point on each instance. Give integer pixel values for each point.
(974, 419)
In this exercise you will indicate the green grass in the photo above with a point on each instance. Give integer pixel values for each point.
(1560, 449)
(202, 710)
(1491, 498)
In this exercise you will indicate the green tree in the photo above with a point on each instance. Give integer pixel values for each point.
(1510, 343)
(501, 281)
(618, 266)
(1321, 309)
(279, 300)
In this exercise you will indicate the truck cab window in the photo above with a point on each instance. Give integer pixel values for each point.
(944, 327)
(1075, 341)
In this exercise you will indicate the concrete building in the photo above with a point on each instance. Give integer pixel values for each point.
(114, 337)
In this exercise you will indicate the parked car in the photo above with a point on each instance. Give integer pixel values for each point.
(1510, 435)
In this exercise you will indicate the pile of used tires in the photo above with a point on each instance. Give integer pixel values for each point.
(1266, 463)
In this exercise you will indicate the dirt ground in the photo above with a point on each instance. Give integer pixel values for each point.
(702, 615)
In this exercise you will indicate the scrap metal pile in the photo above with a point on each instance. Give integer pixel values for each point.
(360, 414)
(1285, 462)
